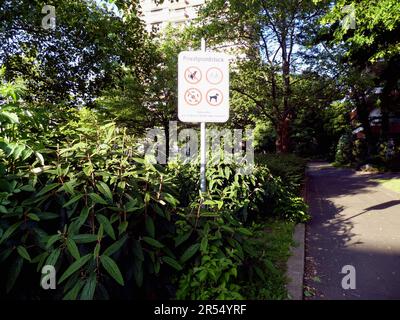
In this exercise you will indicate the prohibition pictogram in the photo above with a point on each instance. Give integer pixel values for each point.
(193, 97)
(193, 75)
(214, 76)
(214, 97)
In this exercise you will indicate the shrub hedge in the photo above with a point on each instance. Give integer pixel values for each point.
(80, 198)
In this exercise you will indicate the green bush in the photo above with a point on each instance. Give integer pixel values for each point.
(115, 226)
(289, 167)
(344, 150)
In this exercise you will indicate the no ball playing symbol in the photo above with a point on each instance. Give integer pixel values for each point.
(203, 87)
(193, 97)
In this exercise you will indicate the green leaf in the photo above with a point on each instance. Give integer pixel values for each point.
(189, 252)
(3, 209)
(11, 117)
(83, 216)
(89, 288)
(23, 253)
(131, 206)
(53, 257)
(47, 215)
(137, 250)
(172, 262)
(75, 266)
(170, 199)
(115, 246)
(40, 158)
(204, 244)
(97, 199)
(73, 293)
(26, 154)
(68, 187)
(97, 248)
(33, 217)
(106, 225)
(10, 231)
(157, 266)
(47, 188)
(153, 242)
(138, 272)
(13, 273)
(73, 249)
(52, 239)
(84, 238)
(105, 190)
(182, 238)
(73, 200)
(260, 273)
(245, 231)
(122, 227)
(100, 233)
(18, 151)
(112, 269)
(150, 226)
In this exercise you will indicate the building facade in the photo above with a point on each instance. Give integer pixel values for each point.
(157, 16)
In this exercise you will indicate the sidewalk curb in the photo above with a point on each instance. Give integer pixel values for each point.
(295, 265)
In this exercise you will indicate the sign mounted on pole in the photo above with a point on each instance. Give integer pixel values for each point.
(203, 87)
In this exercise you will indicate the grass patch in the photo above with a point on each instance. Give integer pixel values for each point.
(272, 242)
(391, 184)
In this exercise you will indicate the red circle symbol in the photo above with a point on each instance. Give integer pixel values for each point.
(193, 97)
(214, 97)
(214, 75)
(193, 75)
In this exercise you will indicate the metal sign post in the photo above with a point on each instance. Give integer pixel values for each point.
(203, 94)
(203, 143)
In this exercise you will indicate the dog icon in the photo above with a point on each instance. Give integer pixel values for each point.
(214, 97)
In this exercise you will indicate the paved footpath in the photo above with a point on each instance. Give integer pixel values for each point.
(355, 221)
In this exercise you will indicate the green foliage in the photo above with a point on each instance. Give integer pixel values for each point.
(344, 150)
(289, 167)
(377, 24)
(269, 250)
(85, 52)
(109, 221)
(140, 103)
(264, 137)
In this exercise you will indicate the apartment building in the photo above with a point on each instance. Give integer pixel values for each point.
(170, 11)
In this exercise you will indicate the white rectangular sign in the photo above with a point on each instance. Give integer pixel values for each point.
(203, 87)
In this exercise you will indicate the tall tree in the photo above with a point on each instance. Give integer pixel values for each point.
(91, 42)
(270, 33)
(372, 54)
(145, 103)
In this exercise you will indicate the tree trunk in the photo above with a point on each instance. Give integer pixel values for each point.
(283, 141)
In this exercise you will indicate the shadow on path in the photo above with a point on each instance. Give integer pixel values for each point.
(355, 222)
